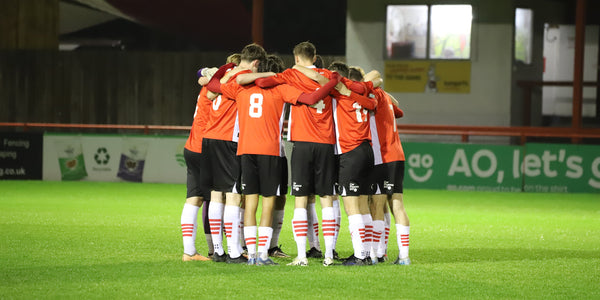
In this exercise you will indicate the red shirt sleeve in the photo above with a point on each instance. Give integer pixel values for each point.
(365, 102)
(315, 96)
(369, 86)
(289, 93)
(355, 86)
(268, 82)
(230, 89)
(213, 84)
(398, 113)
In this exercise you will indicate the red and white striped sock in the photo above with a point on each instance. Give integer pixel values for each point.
(368, 220)
(300, 228)
(264, 241)
(313, 221)
(378, 232)
(250, 237)
(189, 225)
(277, 224)
(402, 233)
(215, 219)
(387, 220)
(231, 220)
(328, 230)
(357, 234)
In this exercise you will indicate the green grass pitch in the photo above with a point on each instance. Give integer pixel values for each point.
(85, 240)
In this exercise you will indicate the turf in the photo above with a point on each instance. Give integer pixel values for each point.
(123, 240)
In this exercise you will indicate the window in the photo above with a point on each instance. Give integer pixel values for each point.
(406, 31)
(450, 35)
(428, 31)
(523, 34)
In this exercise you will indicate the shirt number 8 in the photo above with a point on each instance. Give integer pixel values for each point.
(256, 101)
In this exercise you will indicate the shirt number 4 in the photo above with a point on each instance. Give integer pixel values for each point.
(319, 106)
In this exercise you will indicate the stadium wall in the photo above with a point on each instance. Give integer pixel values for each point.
(104, 87)
(494, 98)
(101, 87)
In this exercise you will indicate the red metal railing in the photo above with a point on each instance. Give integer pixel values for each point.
(522, 132)
(145, 128)
(463, 131)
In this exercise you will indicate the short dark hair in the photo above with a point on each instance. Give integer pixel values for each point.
(253, 52)
(305, 50)
(340, 67)
(355, 74)
(273, 63)
(319, 62)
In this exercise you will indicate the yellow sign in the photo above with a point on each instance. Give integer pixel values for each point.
(428, 76)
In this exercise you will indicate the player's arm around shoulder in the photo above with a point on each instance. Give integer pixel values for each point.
(214, 85)
(312, 74)
(231, 89)
(398, 113)
(321, 93)
(364, 101)
(248, 78)
(288, 93)
(231, 74)
(203, 81)
(374, 77)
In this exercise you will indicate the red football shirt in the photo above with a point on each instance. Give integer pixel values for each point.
(309, 123)
(223, 119)
(351, 123)
(386, 141)
(261, 116)
(203, 104)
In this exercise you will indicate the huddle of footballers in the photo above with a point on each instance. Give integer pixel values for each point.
(345, 145)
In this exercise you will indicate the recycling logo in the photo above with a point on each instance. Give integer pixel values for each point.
(102, 157)
(179, 158)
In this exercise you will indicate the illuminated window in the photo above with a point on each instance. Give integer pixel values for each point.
(428, 31)
(523, 34)
(450, 35)
(406, 31)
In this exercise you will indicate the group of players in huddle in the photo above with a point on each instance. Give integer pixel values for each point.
(345, 145)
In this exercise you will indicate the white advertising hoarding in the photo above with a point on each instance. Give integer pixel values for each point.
(95, 157)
